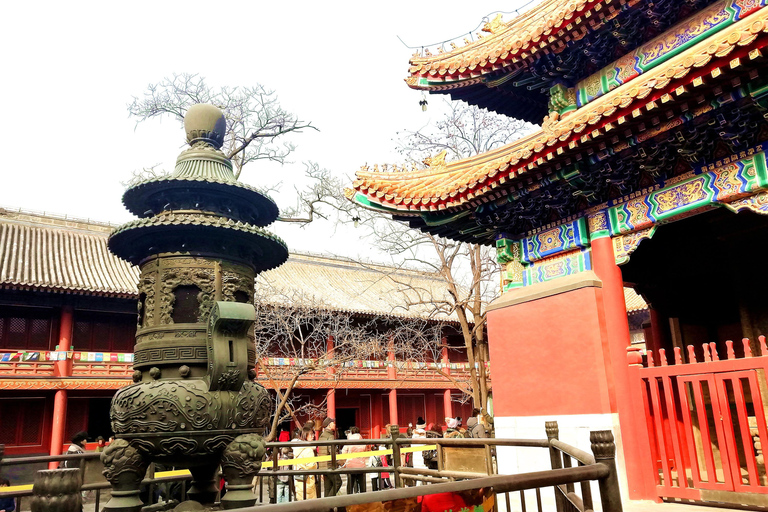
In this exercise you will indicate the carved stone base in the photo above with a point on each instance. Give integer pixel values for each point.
(125, 468)
(240, 463)
(57, 490)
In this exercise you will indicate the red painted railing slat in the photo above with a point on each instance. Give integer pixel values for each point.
(699, 414)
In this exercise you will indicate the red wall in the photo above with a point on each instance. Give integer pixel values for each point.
(554, 346)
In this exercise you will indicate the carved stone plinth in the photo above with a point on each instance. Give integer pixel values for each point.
(57, 490)
(240, 463)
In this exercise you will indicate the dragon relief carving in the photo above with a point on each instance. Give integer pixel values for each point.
(203, 278)
(232, 282)
(147, 306)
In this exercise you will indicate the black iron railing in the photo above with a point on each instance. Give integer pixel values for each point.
(462, 465)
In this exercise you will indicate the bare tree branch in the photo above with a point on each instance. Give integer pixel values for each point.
(255, 119)
(324, 343)
(468, 271)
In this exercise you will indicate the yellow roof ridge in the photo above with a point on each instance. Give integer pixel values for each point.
(555, 131)
(513, 37)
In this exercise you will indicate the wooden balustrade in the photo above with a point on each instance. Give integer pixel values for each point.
(26, 368)
(45, 368)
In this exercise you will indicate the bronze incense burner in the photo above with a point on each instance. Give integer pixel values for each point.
(199, 243)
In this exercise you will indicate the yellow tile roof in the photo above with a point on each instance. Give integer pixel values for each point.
(362, 288)
(59, 254)
(541, 27)
(63, 255)
(633, 301)
(444, 185)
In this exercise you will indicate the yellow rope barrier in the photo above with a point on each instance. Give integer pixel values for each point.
(268, 463)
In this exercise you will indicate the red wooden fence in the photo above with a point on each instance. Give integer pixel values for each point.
(707, 422)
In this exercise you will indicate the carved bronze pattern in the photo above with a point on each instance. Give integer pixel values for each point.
(147, 287)
(203, 278)
(232, 282)
(227, 379)
(217, 444)
(187, 405)
(57, 490)
(169, 354)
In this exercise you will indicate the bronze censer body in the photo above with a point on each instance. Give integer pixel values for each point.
(199, 243)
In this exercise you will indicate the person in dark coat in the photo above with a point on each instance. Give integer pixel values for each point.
(6, 504)
(331, 482)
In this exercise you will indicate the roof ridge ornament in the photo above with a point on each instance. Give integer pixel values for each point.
(437, 162)
(495, 25)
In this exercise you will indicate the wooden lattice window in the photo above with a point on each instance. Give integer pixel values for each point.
(77, 417)
(103, 332)
(26, 329)
(21, 421)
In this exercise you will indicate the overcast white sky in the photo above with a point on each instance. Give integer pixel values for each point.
(70, 68)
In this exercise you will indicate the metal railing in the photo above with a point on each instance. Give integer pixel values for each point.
(462, 465)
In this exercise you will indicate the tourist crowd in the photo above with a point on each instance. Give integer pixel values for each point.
(304, 457)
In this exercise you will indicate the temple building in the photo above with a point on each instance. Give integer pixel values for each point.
(68, 320)
(649, 170)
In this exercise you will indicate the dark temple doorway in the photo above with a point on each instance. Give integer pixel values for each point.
(345, 418)
(702, 278)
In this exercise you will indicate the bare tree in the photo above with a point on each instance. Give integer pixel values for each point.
(321, 342)
(464, 131)
(256, 123)
(468, 270)
(317, 198)
(469, 273)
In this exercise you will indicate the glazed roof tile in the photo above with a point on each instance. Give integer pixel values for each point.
(43, 252)
(633, 301)
(509, 42)
(63, 255)
(354, 287)
(447, 185)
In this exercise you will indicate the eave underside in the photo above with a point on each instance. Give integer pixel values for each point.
(704, 115)
(519, 87)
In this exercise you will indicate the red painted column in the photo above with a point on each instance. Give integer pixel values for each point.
(393, 407)
(331, 403)
(391, 370)
(59, 424)
(656, 333)
(329, 352)
(447, 404)
(634, 433)
(64, 368)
